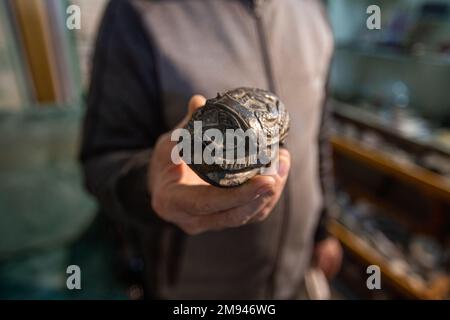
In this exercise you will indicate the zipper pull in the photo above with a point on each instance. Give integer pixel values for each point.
(258, 7)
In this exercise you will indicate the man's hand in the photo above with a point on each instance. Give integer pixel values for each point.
(328, 256)
(179, 196)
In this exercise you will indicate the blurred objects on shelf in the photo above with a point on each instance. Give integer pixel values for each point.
(442, 137)
(418, 144)
(419, 262)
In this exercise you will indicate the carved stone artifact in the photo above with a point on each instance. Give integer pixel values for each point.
(243, 108)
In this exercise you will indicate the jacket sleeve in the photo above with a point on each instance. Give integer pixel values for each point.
(123, 118)
(325, 170)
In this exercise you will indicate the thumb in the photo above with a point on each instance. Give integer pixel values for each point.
(196, 102)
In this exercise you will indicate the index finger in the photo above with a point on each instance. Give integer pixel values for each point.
(207, 199)
(196, 102)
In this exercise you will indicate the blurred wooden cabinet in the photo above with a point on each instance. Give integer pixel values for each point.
(392, 135)
(410, 194)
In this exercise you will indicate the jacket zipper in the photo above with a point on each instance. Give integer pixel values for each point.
(257, 9)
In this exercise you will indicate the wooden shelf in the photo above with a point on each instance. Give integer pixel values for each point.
(387, 209)
(422, 178)
(364, 120)
(361, 249)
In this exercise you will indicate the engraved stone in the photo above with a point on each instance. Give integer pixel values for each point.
(241, 108)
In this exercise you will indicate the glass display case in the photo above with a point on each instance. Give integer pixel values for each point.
(391, 104)
(399, 72)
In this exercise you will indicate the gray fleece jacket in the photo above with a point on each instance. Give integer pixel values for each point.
(151, 57)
